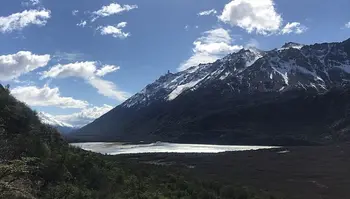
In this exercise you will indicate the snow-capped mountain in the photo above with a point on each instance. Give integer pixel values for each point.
(318, 67)
(170, 86)
(238, 100)
(51, 120)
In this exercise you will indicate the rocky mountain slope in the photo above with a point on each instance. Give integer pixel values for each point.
(248, 97)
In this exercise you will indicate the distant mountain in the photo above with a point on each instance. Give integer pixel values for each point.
(62, 127)
(210, 102)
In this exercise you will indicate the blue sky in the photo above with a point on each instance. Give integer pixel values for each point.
(55, 65)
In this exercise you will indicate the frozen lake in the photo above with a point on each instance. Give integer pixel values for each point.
(162, 147)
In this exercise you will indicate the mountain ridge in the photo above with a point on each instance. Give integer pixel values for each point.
(247, 57)
(238, 79)
(62, 127)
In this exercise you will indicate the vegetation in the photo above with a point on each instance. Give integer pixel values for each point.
(35, 162)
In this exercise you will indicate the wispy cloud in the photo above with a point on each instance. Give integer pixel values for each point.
(115, 31)
(67, 56)
(28, 3)
(347, 25)
(212, 45)
(18, 21)
(75, 12)
(89, 72)
(108, 89)
(207, 12)
(112, 9)
(82, 23)
(106, 69)
(85, 116)
(294, 27)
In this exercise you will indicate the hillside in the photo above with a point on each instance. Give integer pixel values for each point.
(293, 95)
(35, 162)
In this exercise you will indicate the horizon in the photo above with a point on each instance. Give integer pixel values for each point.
(78, 61)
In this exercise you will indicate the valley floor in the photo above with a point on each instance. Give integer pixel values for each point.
(296, 173)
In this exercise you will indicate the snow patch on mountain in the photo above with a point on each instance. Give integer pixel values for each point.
(254, 56)
(224, 76)
(180, 89)
(51, 120)
(291, 45)
(283, 72)
(305, 71)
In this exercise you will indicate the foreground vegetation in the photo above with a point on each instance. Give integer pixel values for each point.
(35, 162)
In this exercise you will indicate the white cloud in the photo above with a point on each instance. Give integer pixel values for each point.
(112, 9)
(31, 2)
(82, 24)
(115, 31)
(77, 69)
(294, 27)
(75, 12)
(14, 65)
(347, 25)
(46, 96)
(252, 15)
(85, 116)
(18, 21)
(207, 12)
(89, 72)
(122, 24)
(108, 89)
(106, 69)
(213, 45)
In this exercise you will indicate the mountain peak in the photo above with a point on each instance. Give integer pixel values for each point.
(249, 50)
(51, 120)
(292, 45)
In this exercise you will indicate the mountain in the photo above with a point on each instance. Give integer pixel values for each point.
(282, 96)
(62, 127)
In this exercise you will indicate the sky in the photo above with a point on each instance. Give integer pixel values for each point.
(76, 60)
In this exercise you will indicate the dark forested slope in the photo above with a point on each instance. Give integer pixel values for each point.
(35, 162)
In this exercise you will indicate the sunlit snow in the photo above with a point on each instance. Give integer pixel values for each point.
(178, 90)
(51, 120)
(283, 72)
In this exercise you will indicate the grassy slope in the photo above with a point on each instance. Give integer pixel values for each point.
(35, 162)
